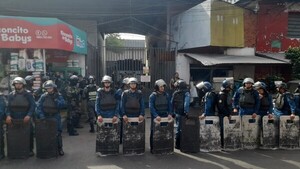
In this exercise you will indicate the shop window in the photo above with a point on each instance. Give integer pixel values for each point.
(294, 25)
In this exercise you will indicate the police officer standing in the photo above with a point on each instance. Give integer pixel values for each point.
(224, 105)
(266, 103)
(160, 105)
(106, 101)
(21, 105)
(209, 99)
(284, 102)
(73, 99)
(181, 106)
(89, 93)
(49, 106)
(246, 99)
(132, 102)
(29, 83)
(2, 111)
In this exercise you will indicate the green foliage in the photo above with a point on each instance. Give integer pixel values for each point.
(294, 55)
(114, 43)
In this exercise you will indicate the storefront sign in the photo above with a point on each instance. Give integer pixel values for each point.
(41, 33)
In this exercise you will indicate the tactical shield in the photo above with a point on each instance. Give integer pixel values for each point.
(108, 137)
(46, 138)
(210, 136)
(232, 133)
(18, 139)
(163, 136)
(289, 132)
(250, 132)
(270, 133)
(189, 139)
(133, 137)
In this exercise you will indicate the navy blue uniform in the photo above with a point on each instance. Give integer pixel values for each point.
(49, 106)
(246, 100)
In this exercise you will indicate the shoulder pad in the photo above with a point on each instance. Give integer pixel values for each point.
(98, 90)
(241, 89)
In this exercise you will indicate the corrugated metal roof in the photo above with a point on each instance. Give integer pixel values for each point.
(276, 56)
(212, 59)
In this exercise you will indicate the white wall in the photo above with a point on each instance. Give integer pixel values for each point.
(192, 28)
(240, 51)
(183, 67)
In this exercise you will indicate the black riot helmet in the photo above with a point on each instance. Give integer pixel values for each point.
(181, 84)
(29, 80)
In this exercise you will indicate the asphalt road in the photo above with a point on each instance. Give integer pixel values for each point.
(80, 154)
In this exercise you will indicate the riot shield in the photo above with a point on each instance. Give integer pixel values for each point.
(210, 136)
(270, 133)
(46, 138)
(108, 137)
(232, 133)
(189, 139)
(250, 132)
(289, 132)
(18, 139)
(133, 137)
(163, 136)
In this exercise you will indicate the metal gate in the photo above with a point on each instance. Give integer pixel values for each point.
(121, 62)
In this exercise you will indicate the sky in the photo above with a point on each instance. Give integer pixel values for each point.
(132, 36)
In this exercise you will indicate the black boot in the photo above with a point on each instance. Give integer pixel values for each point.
(92, 130)
(60, 145)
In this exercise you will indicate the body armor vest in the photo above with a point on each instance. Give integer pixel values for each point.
(132, 105)
(19, 103)
(264, 103)
(178, 101)
(49, 105)
(247, 99)
(92, 93)
(107, 100)
(279, 101)
(161, 103)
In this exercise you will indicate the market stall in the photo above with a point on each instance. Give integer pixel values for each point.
(39, 46)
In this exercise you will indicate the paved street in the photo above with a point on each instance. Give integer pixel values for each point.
(80, 154)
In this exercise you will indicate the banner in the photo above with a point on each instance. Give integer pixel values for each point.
(41, 33)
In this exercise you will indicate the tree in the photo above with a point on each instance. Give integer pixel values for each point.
(114, 40)
(294, 55)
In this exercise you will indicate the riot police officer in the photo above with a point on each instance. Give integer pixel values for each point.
(2, 111)
(246, 99)
(37, 93)
(132, 102)
(180, 105)
(73, 99)
(21, 105)
(159, 105)
(284, 102)
(224, 105)
(107, 105)
(89, 93)
(209, 99)
(29, 83)
(49, 106)
(266, 103)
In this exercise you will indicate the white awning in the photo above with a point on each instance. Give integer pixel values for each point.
(213, 59)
